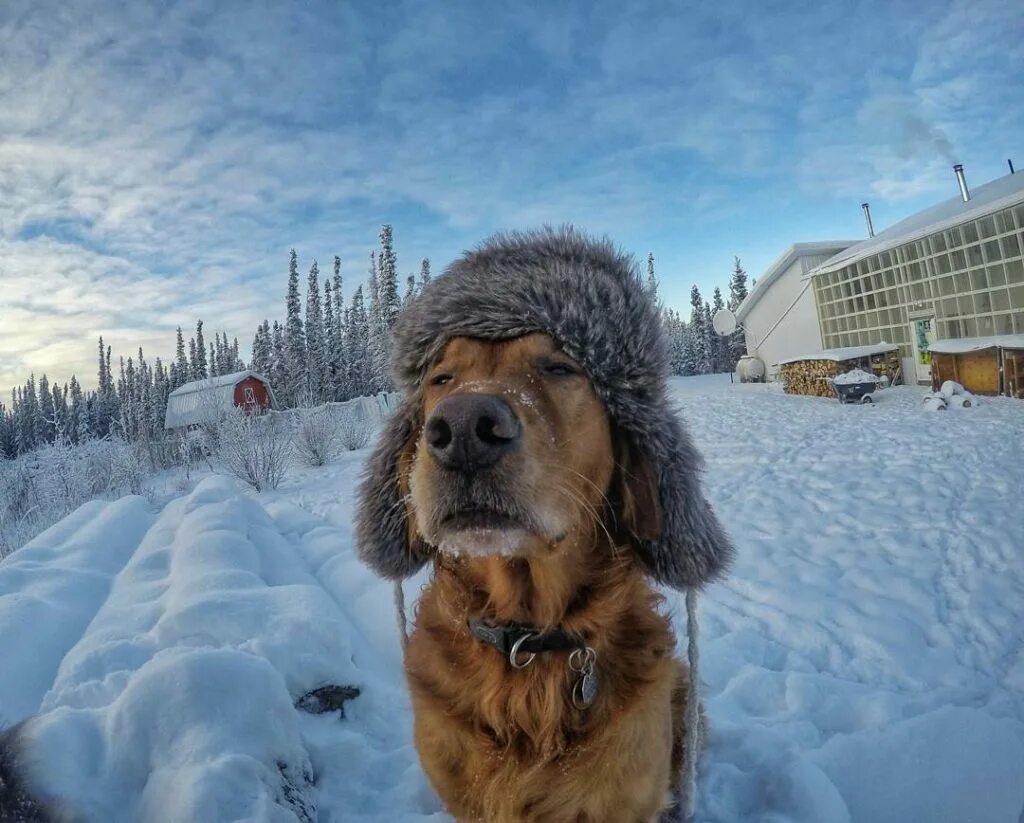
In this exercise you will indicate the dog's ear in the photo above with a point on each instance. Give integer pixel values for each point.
(677, 535)
(385, 536)
(639, 506)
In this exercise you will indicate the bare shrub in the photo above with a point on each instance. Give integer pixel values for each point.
(255, 448)
(353, 433)
(316, 435)
(43, 486)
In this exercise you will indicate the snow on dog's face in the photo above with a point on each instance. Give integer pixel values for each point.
(515, 454)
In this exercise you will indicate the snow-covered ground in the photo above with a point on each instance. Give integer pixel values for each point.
(864, 661)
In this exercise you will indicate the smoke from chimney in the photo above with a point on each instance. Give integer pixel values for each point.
(867, 219)
(958, 169)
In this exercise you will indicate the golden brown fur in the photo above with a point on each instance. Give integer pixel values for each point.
(501, 744)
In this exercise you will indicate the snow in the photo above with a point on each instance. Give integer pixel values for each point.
(968, 344)
(863, 662)
(855, 376)
(841, 355)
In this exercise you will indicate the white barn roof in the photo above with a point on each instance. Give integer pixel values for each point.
(991, 197)
(204, 401)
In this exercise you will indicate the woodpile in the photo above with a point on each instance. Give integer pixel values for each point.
(810, 377)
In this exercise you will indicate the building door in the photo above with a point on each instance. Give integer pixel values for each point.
(922, 333)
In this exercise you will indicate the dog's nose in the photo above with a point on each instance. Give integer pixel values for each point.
(466, 432)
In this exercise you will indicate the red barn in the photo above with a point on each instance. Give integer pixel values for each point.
(205, 401)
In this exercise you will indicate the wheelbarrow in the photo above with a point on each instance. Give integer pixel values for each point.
(856, 388)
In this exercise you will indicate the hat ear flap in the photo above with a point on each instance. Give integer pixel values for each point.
(689, 547)
(385, 536)
(636, 492)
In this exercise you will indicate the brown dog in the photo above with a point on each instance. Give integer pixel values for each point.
(518, 477)
(537, 463)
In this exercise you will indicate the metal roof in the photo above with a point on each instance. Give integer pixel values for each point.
(960, 345)
(783, 262)
(204, 401)
(993, 196)
(842, 355)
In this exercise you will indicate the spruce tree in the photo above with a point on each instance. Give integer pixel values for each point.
(316, 365)
(202, 371)
(737, 294)
(424, 273)
(357, 347)
(279, 377)
(390, 302)
(719, 344)
(46, 424)
(410, 291)
(701, 354)
(180, 372)
(294, 338)
(652, 281)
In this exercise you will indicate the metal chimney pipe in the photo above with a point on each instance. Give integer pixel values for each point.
(867, 219)
(1009, 162)
(958, 169)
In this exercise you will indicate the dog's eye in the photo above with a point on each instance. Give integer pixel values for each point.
(440, 379)
(558, 368)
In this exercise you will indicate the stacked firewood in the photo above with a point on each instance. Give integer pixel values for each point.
(811, 377)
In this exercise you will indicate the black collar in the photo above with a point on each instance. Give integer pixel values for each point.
(505, 636)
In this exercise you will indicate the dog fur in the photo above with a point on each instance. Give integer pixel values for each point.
(501, 744)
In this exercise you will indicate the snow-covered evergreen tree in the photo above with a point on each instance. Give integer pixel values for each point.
(316, 353)
(387, 280)
(410, 291)
(180, 369)
(652, 281)
(46, 424)
(737, 294)
(424, 273)
(294, 338)
(202, 370)
(700, 349)
(279, 377)
(357, 345)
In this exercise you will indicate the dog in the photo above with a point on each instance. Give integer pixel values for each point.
(537, 465)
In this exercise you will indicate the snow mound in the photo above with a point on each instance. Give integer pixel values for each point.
(176, 703)
(855, 376)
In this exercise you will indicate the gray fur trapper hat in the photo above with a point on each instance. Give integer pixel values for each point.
(586, 294)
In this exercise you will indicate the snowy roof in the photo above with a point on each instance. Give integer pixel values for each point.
(783, 262)
(993, 196)
(840, 355)
(204, 401)
(966, 344)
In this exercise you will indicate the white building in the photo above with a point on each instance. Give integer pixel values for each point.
(779, 316)
(952, 271)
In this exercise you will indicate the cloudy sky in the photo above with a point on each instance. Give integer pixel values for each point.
(158, 160)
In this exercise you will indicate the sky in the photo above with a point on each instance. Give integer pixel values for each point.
(158, 160)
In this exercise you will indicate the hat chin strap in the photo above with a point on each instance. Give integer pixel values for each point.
(688, 802)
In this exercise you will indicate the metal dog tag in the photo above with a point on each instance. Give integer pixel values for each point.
(584, 690)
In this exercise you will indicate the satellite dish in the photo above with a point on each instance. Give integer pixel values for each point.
(724, 322)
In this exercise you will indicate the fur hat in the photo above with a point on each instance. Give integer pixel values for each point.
(587, 295)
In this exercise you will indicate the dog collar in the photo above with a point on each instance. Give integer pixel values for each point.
(521, 644)
(514, 639)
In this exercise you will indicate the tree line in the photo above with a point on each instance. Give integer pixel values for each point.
(327, 349)
(694, 346)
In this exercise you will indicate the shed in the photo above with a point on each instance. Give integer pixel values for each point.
(808, 373)
(205, 401)
(983, 365)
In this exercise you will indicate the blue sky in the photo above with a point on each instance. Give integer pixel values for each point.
(158, 160)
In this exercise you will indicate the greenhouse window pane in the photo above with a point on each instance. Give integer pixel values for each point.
(996, 275)
(1002, 324)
